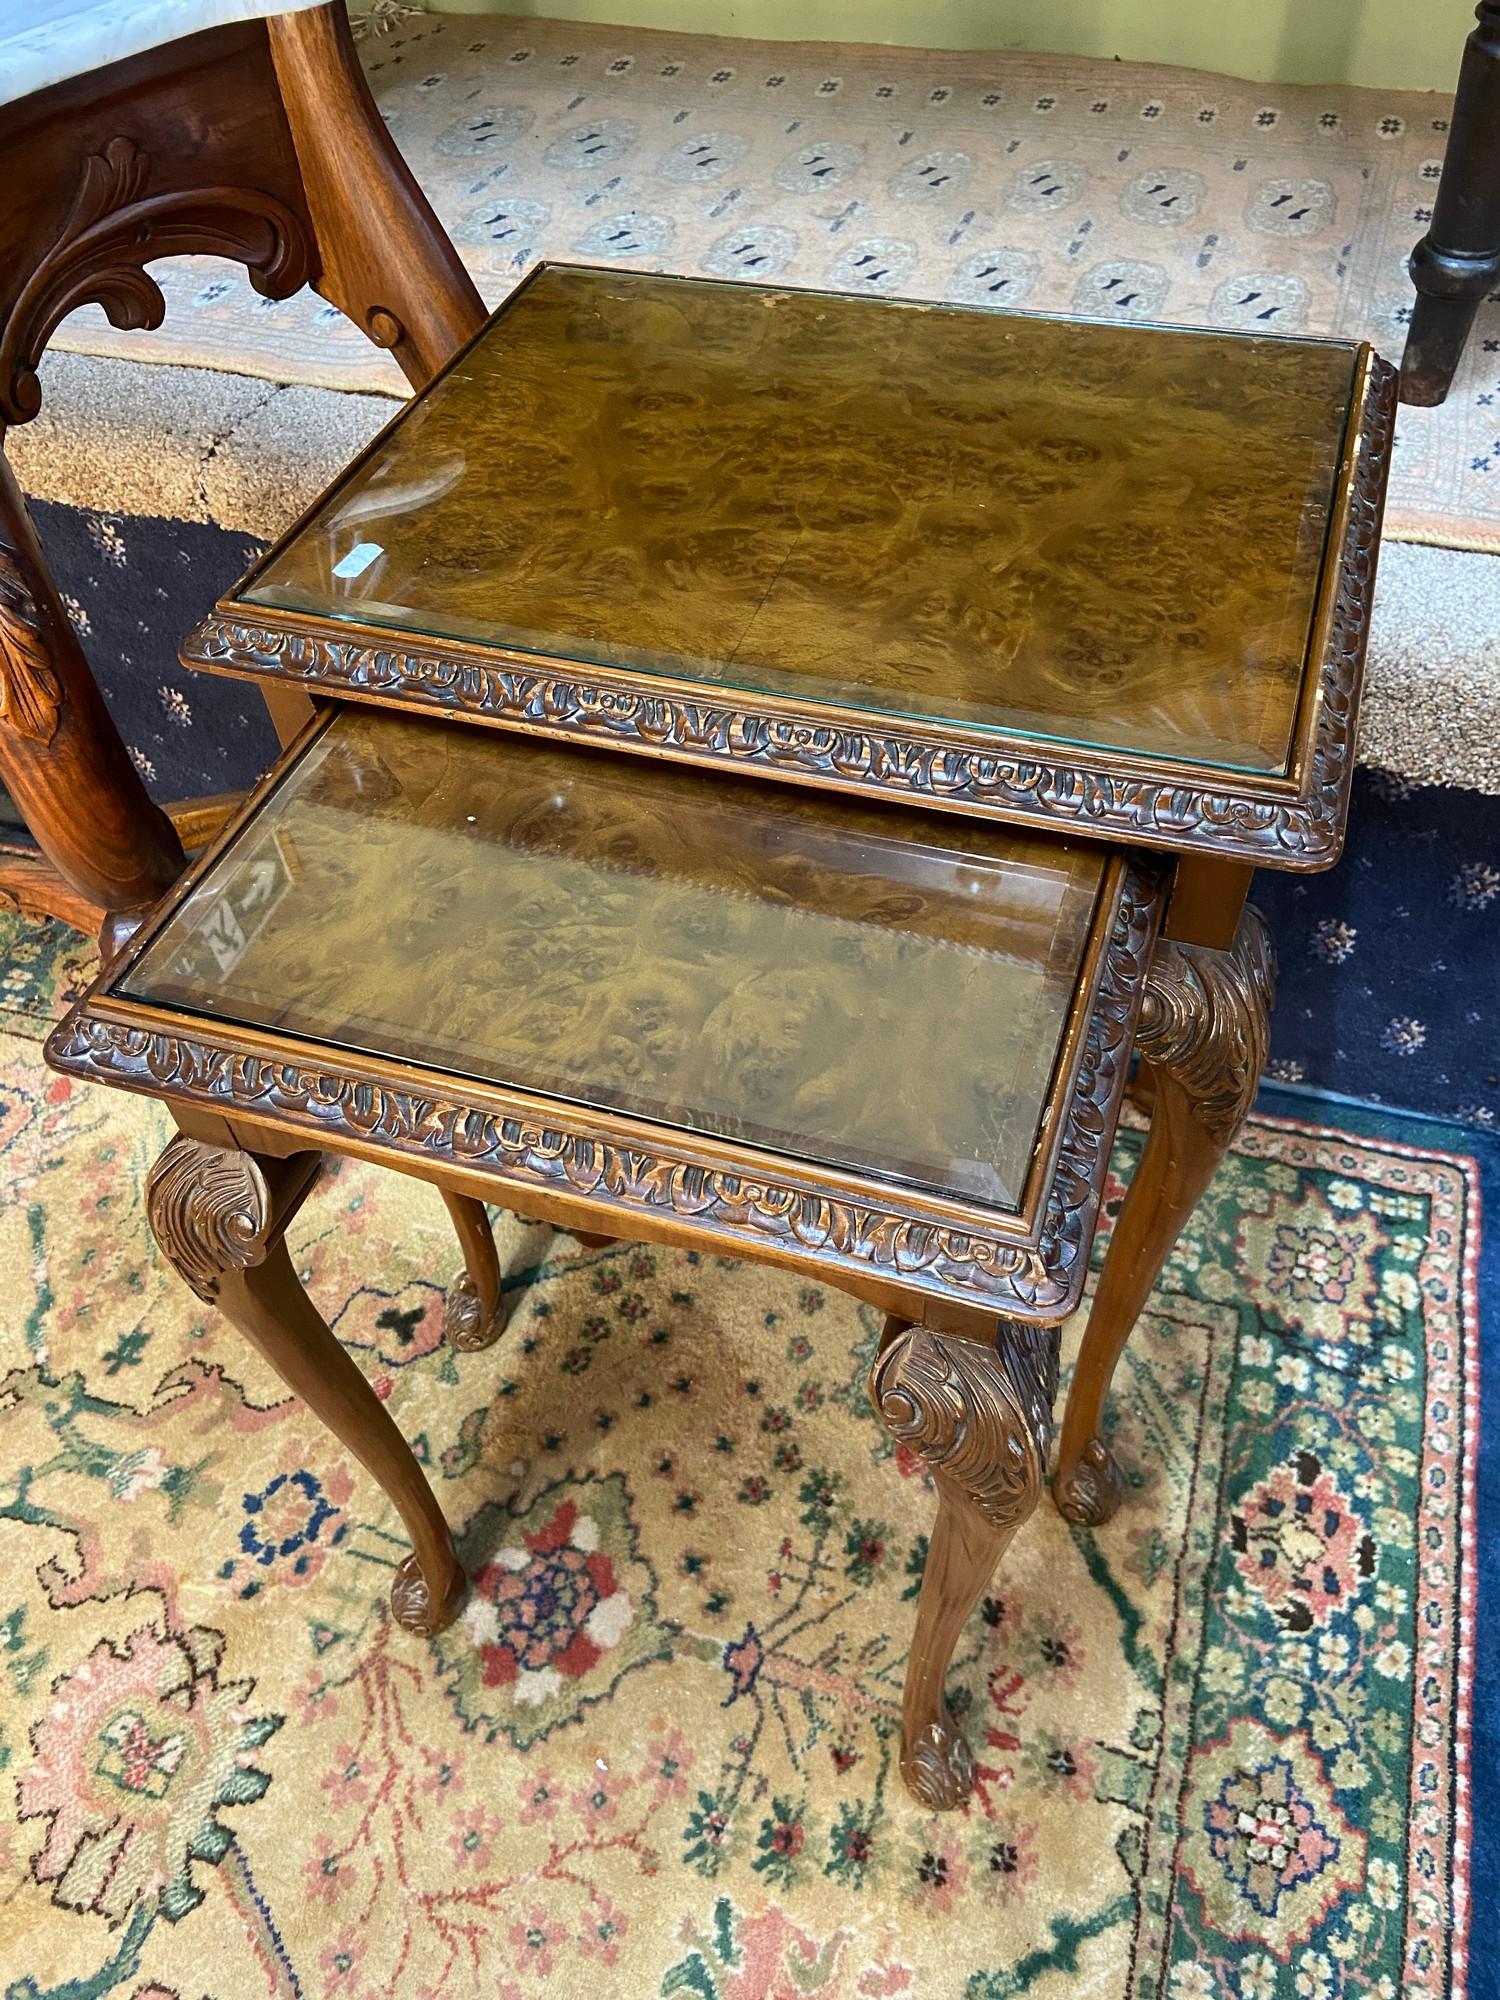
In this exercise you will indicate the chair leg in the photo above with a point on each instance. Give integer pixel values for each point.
(30, 885)
(1204, 1031)
(218, 1216)
(981, 1418)
(1457, 263)
(477, 1311)
(61, 757)
(386, 260)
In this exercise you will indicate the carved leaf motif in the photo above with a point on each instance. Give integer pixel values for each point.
(1206, 1021)
(113, 230)
(110, 179)
(210, 1210)
(30, 692)
(979, 1419)
(464, 1323)
(1090, 1494)
(412, 1604)
(938, 1766)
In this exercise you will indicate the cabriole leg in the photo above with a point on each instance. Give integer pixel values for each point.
(477, 1310)
(218, 1216)
(1204, 1030)
(981, 1418)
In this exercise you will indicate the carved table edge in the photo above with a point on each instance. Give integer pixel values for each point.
(1125, 804)
(438, 1128)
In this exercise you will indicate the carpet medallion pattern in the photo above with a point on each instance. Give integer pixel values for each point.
(1217, 1741)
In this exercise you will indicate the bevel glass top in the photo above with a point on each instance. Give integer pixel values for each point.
(1106, 535)
(863, 986)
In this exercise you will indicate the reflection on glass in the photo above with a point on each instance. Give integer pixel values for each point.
(873, 988)
(1108, 534)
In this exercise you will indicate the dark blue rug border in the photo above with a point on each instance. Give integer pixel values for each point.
(1451, 1136)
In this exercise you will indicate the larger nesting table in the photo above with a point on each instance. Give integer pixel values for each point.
(979, 660)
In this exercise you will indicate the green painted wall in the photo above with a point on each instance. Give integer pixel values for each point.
(1397, 44)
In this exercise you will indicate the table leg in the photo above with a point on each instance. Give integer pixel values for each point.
(218, 1216)
(1141, 1090)
(1204, 1031)
(477, 1310)
(1457, 263)
(981, 1417)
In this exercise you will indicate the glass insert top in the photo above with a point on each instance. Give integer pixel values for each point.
(868, 987)
(1108, 535)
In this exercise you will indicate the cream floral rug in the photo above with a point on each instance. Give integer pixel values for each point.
(656, 1756)
(1056, 184)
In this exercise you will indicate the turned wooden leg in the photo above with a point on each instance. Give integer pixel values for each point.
(385, 258)
(981, 1417)
(61, 758)
(219, 1216)
(1457, 263)
(477, 1310)
(591, 1240)
(1204, 1028)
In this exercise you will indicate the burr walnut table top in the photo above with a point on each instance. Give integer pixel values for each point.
(1061, 569)
(857, 1033)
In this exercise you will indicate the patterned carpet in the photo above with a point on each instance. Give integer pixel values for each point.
(1218, 1740)
(1053, 183)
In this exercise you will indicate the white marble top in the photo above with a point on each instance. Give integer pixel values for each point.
(44, 42)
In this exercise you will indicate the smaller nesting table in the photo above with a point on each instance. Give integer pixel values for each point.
(880, 711)
(663, 1004)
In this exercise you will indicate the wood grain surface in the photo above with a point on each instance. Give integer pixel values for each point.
(738, 958)
(1109, 533)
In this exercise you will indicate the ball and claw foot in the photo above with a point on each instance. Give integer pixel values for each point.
(939, 1766)
(1091, 1492)
(464, 1323)
(412, 1604)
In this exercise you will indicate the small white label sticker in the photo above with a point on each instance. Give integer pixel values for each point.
(358, 559)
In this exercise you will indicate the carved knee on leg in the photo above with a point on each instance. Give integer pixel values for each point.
(980, 1417)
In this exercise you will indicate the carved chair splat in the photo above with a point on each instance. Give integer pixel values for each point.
(255, 140)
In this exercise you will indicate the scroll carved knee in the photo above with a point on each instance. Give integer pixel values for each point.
(210, 1211)
(1204, 1030)
(981, 1419)
(1206, 1023)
